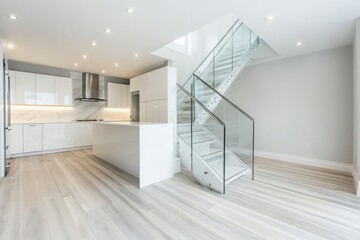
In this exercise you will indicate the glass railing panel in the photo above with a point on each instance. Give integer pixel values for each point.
(208, 74)
(184, 126)
(203, 143)
(232, 48)
(239, 127)
(223, 64)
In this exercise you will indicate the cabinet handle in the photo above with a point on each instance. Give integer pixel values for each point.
(32, 125)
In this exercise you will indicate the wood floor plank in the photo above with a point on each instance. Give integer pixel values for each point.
(74, 195)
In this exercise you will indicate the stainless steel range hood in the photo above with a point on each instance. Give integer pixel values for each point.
(90, 88)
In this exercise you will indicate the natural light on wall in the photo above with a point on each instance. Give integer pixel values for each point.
(182, 45)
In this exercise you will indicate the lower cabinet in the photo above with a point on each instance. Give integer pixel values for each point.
(58, 136)
(16, 139)
(33, 137)
(83, 134)
(29, 138)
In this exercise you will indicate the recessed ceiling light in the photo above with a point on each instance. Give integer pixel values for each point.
(108, 30)
(269, 18)
(116, 65)
(136, 55)
(93, 44)
(75, 64)
(84, 56)
(130, 11)
(299, 44)
(11, 46)
(103, 71)
(12, 17)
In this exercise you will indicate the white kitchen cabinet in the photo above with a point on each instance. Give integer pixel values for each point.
(25, 88)
(33, 134)
(12, 86)
(154, 111)
(16, 139)
(63, 91)
(118, 95)
(155, 86)
(45, 89)
(83, 134)
(157, 90)
(58, 136)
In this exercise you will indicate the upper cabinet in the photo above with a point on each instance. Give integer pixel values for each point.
(39, 89)
(44, 89)
(25, 88)
(63, 91)
(157, 90)
(118, 95)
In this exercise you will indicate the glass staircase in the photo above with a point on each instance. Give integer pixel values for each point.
(215, 137)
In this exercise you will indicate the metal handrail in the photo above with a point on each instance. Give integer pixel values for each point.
(223, 97)
(197, 101)
(226, 34)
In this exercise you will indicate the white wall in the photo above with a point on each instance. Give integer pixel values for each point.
(302, 106)
(356, 55)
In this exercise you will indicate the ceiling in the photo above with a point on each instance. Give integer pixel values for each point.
(59, 32)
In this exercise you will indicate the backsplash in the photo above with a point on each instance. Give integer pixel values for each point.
(80, 110)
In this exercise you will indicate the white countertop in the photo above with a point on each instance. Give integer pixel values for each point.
(73, 121)
(131, 124)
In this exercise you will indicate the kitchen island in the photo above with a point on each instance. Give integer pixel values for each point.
(145, 150)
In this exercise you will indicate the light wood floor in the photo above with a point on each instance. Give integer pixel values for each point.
(73, 195)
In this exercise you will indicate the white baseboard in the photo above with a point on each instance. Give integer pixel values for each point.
(48, 152)
(344, 167)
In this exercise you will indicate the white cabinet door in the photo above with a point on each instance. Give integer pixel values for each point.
(12, 87)
(63, 91)
(25, 88)
(118, 95)
(83, 134)
(32, 137)
(16, 139)
(58, 136)
(154, 85)
(45, 90)
(156, 111)
(143, 111)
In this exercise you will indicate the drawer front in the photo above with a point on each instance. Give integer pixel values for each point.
(84, 134)
(32, 137)
(16, 139)
(58, 136)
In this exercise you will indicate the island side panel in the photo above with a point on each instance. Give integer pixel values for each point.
(156, 153)
(118, 145)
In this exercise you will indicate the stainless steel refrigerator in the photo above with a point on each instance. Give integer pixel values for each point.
(5, 121)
